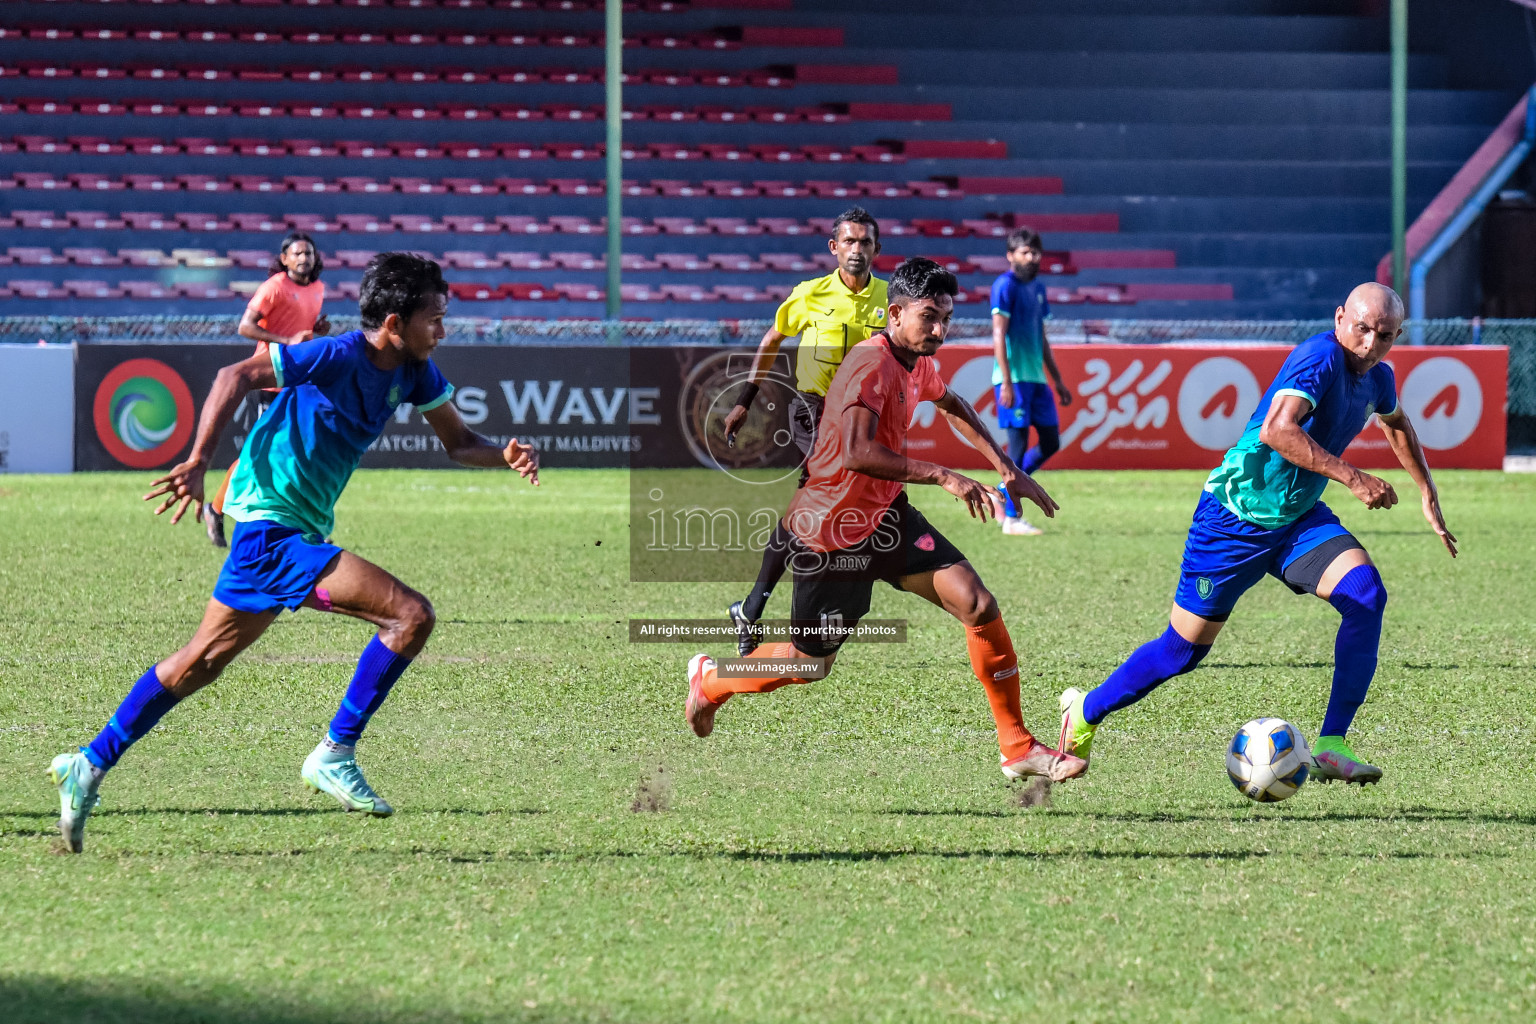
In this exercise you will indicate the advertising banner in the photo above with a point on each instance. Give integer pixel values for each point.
(136, 406)
(1134, 407)
(37, 408)
(1182, 406)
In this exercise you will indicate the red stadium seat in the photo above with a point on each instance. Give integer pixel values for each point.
(463, 260)
(578, 292)
(833, 189)
(200, 290)
(518, 224)
(521, 187)
(575, 226)
(680, 226)
(257, 183)
(732, 226)
(736, 261)
(36, 290)
(471, 186)
(250, 259)
(417, 186)
(151, 183)
(43, 219)
(681, 261)
(727, 189)
(473, 291)
(786, 262)
(522, 260)
(145, 258)
(94, 220)
(364, 223)
(470, 225)
(309, 222)
(782, 189)
(92, 257)
(257, 222)
(310, 183)
(204, 183)
(783, 226)
(415, 223)
(525, 291)
(35, 256)
(577, 260)
(92, 290)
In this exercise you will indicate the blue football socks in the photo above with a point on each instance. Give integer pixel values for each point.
(377, 671)
(139, 712)
(1360, 598)
(1050, 444)
(1151, 664)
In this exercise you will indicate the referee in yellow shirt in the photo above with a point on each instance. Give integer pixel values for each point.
(831, 315)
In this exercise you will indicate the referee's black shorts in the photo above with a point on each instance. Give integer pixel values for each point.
(804, 417)
(833, 589)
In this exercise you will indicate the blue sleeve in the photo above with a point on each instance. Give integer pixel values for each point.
(432, 389)
(1002, 296)
(1308, 370)
(1386, 390)
(320, 361)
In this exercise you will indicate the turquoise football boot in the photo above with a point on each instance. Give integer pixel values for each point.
(339, 775)
(77, 782)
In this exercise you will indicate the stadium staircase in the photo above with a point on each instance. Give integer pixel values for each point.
(1182, 158)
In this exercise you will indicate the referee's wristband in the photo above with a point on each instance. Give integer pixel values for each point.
(748, 395)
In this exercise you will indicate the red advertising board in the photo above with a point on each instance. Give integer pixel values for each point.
(1182, 406)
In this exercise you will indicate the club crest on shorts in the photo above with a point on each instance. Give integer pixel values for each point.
(924, 543)
(1203, 586)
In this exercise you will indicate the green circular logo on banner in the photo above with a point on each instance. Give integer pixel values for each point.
(143, 413)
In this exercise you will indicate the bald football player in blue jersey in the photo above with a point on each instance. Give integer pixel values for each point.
(337, 394)
(1260, 515)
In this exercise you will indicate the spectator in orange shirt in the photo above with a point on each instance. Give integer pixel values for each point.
(284, 311)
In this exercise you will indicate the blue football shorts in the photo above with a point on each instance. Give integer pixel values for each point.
(1225, 555)
(271, 566)
(1034, 404)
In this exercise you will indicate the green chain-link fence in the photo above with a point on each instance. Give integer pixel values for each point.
(1518, 335)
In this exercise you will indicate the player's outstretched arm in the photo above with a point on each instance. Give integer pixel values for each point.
(863, 454)
(468, 448)
(767, 352)
(1283, 432)
(183, 485)
(1405, 445)
(968, 425)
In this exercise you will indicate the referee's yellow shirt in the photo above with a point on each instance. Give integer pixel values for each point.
(830, 320)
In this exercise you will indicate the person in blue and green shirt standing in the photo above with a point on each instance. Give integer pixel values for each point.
(336, 396)
(1261, 515)
(1021, 359)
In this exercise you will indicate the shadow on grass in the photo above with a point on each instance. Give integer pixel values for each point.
(1236, 815)
(266, 812)
(29, 999)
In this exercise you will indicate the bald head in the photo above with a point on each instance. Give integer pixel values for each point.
(1368, 323)
(1376, 300)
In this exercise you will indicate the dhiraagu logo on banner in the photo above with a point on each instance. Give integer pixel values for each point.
(143, 413)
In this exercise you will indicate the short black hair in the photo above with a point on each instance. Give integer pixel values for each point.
(920, 278)
(276, 266)
(857, 215)
(398, 282)
(1023, 237)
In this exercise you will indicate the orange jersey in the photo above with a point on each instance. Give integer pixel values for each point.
(837, 508)
(286, 308)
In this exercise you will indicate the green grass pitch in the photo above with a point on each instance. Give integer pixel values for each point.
(846, 851)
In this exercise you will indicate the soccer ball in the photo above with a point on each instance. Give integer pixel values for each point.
(1268, 760)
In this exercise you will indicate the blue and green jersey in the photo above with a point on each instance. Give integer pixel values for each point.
(333, 405)
(1255, 482)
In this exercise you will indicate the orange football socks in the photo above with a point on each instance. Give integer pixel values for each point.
(995, 664)
(717, 689)
(218, 497)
